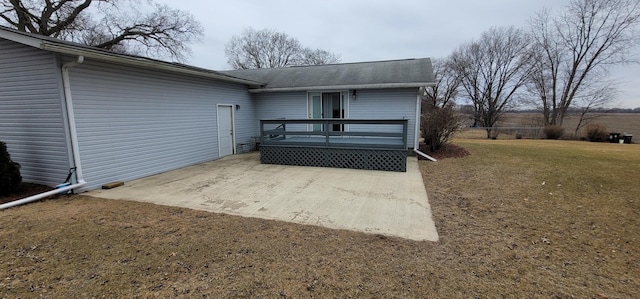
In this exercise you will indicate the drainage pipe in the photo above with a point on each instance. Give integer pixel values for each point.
(74, 142)
(40, 196)
(424, 155)
(75, 148)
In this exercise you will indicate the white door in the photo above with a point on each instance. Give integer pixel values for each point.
(225, 130)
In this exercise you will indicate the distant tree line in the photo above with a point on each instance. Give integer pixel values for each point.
(578, 110)
(557, 66)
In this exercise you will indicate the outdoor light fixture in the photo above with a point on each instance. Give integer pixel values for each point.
(353, 95)
(237, 107)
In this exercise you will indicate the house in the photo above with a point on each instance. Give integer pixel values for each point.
(115, 117)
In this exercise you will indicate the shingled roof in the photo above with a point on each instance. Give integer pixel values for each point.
(376, 74)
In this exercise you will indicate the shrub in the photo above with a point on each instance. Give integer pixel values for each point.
(597, 133)
(553, 131)
(438, 124)
(493, 134)
(10, 177)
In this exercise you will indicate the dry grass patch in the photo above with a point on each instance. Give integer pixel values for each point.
(503, 233)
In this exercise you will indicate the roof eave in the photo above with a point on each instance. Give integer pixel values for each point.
(142, 62)
(343, 87)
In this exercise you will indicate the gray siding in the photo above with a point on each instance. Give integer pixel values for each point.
(385, 104)
(31, 121)
(134, 123)
(289, 105)
(369, 104)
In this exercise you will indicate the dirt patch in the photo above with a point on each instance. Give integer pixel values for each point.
(25, 190)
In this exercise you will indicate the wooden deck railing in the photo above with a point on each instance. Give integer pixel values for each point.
(369, 133)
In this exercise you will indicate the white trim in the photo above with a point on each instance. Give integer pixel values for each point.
(343, 87)
(20, 38)
(233, 128)
(416, 142)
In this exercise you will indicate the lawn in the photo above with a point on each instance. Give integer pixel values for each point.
(516, 218)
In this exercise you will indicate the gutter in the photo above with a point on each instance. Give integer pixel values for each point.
(143, 62)
(74, 142)
(341, 87)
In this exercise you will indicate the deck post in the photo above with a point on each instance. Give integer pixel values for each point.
(404, 133)
(326, 132)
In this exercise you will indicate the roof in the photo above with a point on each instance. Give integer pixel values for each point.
(361, 75)
(75, 49)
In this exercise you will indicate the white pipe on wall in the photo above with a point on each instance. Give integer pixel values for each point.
(75, 148)
(74, 142)
(416, 147)
(416, 140)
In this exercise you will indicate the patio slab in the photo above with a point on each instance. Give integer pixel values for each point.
(379, 202)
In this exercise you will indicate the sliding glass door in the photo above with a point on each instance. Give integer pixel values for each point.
(328, 105)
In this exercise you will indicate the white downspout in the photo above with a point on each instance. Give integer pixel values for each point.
(75, 148)
(416, 142)
(74, 143)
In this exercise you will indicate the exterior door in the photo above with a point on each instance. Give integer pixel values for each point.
(225, 130)
(327, 105)
(315, 106)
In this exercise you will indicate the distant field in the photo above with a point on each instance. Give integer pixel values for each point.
(615, 122)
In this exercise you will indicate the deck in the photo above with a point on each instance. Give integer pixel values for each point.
(340, 143)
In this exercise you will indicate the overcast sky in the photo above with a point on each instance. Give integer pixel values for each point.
(370, 30)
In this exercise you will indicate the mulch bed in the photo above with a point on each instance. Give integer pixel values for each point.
(447, 151)
(25, 190)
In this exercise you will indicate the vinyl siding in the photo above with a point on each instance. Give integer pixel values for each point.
(289, 105)
(31, 116)
(134, 123)
(385, 104)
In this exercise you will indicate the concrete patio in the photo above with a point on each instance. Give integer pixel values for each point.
(380, 202)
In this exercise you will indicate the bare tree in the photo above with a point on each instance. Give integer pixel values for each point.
(116, 25)
(445, 91)
(597, 96)
(268, 49)
(574, 50)
(318, 57)
(492, 70)
(439, 119)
